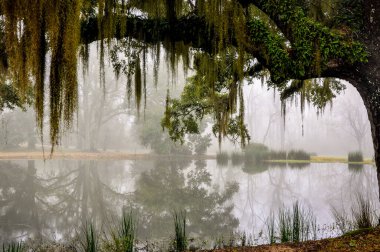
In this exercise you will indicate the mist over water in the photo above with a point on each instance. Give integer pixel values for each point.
(52, 199)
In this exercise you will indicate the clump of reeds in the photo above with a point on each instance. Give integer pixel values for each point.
(222, 158)
(271, 229)
(363, 215)
(180, 240)
(13, 247)
(89, 240)
(293, 225)
(342, 220)
(356, 156)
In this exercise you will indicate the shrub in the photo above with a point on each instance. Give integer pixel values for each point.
(355, 156)
(277, 155)
(298, 155)
(255, 153)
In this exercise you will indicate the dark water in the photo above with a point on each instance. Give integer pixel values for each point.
(52, 200)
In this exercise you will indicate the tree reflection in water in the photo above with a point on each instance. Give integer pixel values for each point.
(54, 206)
(55, 201)
(171, 186)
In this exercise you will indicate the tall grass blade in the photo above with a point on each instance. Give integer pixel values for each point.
(180, 241)
(13, 247)
(363, 215)
(342, 220)
(271, 229)
(90, 240)
(127, 232)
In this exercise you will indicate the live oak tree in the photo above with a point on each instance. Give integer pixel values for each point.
(304, 45)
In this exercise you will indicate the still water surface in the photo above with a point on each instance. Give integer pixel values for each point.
(53, 199)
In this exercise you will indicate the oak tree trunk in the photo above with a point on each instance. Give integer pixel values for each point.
(370, 88)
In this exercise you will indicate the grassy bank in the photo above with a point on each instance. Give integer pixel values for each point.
(364, 240)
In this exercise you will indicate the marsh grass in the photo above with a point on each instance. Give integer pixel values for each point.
(342, 220)
(356, 156)
(13, 247)
(122, 235)
(362, 215)
(284, 222)
(295, 224)
(271, 229)
(89, 241)
(222, 158)
(180, 239)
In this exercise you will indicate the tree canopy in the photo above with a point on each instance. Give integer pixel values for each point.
(298, 46)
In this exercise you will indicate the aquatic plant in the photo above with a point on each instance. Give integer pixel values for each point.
(90, 238)
(243, 239)
(342, 220)
(271, 229)
(356, 156)
(127, 232)
(363, 214)
(296, 224)
(122, 234)
(13, 247)
(180, 240)
(284, 218)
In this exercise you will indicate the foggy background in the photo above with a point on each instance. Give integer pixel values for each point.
(106, 121)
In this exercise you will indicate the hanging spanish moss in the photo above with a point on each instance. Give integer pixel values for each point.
(63, 68)
(138, 84)
(156, 54)
(215, 89)
(232, 31)
(29, 34)
(145, 51)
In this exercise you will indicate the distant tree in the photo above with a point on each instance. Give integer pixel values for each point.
(356, 123)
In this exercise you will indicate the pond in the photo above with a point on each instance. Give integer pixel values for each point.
(53, 199)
